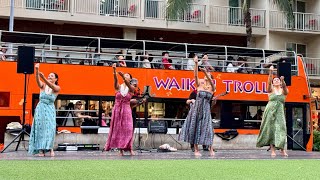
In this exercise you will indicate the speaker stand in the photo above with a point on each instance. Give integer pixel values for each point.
(139, 149)
(23, 130)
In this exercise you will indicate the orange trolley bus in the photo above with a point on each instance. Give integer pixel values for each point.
(72, 58)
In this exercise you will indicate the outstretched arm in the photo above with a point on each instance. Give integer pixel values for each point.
(116, 85)
(195, 59)
(54, 87)
(82, 116)
(39, 82)
(270, 79)
(284, 86)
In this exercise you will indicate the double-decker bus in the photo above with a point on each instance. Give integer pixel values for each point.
(85, 75)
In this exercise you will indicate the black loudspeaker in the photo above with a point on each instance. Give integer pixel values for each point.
(25, 60)
(284, 69)
(158, 127)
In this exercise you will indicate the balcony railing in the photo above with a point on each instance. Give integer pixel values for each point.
(234, 16)
(155, 9)
(120, 8)
(47, 5)
(312, 66)
(195, 13)
(302, 21)
(151, 9)
(86, 6)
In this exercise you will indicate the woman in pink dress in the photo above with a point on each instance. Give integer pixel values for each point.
(121, 125)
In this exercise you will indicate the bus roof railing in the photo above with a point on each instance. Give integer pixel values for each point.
(141, 45)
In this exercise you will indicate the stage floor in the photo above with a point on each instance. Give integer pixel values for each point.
(154, 155)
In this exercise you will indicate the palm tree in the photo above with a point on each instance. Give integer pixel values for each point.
(176, 8)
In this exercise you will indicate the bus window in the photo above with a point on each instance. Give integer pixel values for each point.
(246, 115)
(4, 99)
(216, 114)
(297, 126)
(156, 110)
(106, 112)
(77, 110)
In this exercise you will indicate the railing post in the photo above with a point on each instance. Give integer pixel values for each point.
(207, 13)
(226, 59)
(50, 46)
(142, 9)
(98, 7)
(295, 21)
(228, 15)
(144, 47)
(72, 6)
(303, 21)
(23, 6)
(99, 44)
(267, 22)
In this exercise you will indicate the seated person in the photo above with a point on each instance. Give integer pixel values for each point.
(145, 63)
(78, 114)
(230, 67)
(2, 53)
(92, 107)
(122, 62)
(245, 68)
(259, 114)
(153, 65)
(206, 64)
(190, 63)
(165, 61)
(260, 69)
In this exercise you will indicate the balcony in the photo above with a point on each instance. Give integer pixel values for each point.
(156, 9)
(312, 66)
(233, 16)
(302, 21)
(137, 13)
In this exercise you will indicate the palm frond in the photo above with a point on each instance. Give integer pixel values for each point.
(176, 8)
(286, 7)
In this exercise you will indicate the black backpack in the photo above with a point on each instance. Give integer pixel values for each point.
(228, 135)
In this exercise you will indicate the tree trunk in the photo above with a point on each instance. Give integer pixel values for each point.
(248, 24)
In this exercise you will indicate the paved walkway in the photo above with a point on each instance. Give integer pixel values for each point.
(154, 155)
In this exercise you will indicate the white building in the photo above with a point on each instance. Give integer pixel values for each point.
(207, 22)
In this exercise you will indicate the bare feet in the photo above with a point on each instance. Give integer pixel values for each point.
(132, 153)
(211, 153)
(41, 153)
(52, 153)
(197, 153)
(273, 151)
(120, 153)
(284, 153)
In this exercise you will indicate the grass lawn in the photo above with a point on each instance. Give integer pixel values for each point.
(160, 169)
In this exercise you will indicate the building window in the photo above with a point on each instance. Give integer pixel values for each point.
(4, 99)
(298, 48)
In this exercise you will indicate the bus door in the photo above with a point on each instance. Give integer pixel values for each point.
(297, 126)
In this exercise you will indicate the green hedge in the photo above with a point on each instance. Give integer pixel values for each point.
(316, 140)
